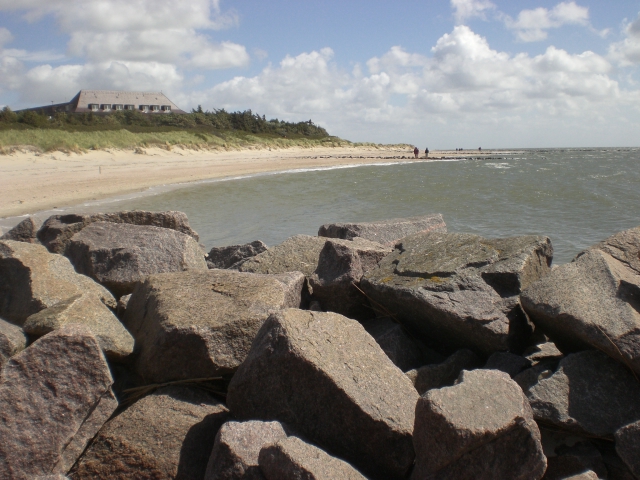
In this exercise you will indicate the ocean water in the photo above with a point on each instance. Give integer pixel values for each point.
(577, 197)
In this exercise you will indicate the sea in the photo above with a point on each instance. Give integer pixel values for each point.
(577, 197)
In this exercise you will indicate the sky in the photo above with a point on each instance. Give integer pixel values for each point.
(437, 74)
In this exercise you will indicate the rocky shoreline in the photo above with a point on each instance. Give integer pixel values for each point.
(385, 350)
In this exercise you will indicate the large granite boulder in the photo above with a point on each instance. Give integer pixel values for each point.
(229, 256)
(57, 230)
(325, 377)
(168, 434)
(341, 265)
(293, 459)
(25, 231)
(628, 446)
(589, 393)
(201, 324)
(12, 341)
(118, 255)
(299, 253)
(32, 279)
(87, 310)
(54, 397)
(384, 231)
(445, 373)
(480, 428)
(593, 301)
(237, 447)
(460, 291)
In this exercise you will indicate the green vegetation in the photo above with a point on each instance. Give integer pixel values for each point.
(130, 129)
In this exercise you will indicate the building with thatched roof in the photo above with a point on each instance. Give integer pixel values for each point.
(109, 101)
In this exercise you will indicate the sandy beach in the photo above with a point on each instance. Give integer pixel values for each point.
(32, 181)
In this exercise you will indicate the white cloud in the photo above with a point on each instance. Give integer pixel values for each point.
(466, 9)
(532, 25)
(627, 52)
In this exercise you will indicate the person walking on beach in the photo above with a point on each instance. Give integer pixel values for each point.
(426, 152)
(416, 152)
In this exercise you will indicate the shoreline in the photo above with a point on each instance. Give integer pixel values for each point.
(32, 182)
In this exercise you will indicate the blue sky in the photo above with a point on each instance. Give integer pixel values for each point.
(446, 74)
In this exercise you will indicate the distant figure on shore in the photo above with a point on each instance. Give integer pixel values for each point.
(416, 152)
(426, 152)
(479, 149)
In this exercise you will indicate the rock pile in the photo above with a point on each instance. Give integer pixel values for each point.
(383, 350)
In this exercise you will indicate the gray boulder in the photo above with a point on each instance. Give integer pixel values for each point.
(384, 231)
(588, 394)
(213, 315)
(121, 308)
(118, 255)
(445, 373)
(168, 434)
(25, 231)
(507, 362)
(592, 302)
(54, 397)
(578, 461)
(341, 265)
(299, 253)
(460, 291)
(293, 459)
(12, 341)
(628, 446)
(325, 377)
(87, 310)
(481, 428)
(227, 257)
(32, 279)
(57, 230)
(542, 353)
(236, 449)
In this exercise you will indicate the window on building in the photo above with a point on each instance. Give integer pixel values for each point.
(144, 108)
(94, 107)
(106, 106)
(166, 108)
(118, 106)
(129, 107)
(155, 108)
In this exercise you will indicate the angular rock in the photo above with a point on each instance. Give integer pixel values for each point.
(54, 397)
(384, 231)
(299, 253)
(481, 428)
(325, 377)
(588, 394)
(57, 230)
(12, 341)
(25, 231)
(213, 315)
(121, 308)
(227, 257)
(594, 301)
(460, 291)
(628, 446)
(574, 461)
(32, 279)
(118, 255)
(87, 310)
(236, 449)
(401, 349)
(445, 373)
(542, 352)
(341, 264)
(293, 459)
(168, 434)
(507, 362)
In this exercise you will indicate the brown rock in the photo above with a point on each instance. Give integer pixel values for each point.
(384, 231)
(54, 397)
(508, 363)
(25, 231)
(460, 291)
(481, 428)
(299, 253)
(542, 352)
(293, 459)
(571, 462)
(628, 446)
(12, 341)
(213, 315)
(229, 256)
(118, 255)
(32, 279)
(168, 434)
(325, 377)
(236, 449)
(341, 265)
(57, 230)
(87, 310)
(443, 374)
